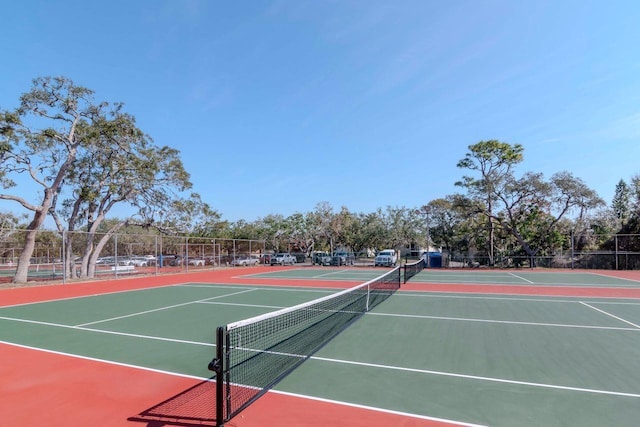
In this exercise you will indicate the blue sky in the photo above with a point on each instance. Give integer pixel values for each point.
(276, 106)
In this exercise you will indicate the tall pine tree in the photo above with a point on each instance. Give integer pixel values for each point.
(621, 203)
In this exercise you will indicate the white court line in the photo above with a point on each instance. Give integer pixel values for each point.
(273, 288)
(482, 280)
(109, 362)
(260, 275)
(375, 365)
(83, 328)
(370, 408)
(90, 295)
(480, 378)
(610, 315)
(477, 283)
(275, 307)
(499, 298)
(410, 294)
(614, 277)
(301, 396)
(102, 331)
(433, 273)
(163, 308)
(505, 322)
(522, 278)
(328, 274)
(206, 285)
(460, 319)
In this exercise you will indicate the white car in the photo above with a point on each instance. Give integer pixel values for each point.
(139, 261)
(386, 258)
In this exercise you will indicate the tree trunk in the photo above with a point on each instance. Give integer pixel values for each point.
(69, 264)
(96, 252)
(22, 269)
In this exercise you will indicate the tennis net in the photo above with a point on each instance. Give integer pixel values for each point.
(411, 270)
(252, 355)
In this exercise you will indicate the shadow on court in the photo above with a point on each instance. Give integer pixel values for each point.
(194, 406)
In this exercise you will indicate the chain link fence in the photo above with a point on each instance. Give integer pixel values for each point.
(69, 256)
(594, 252)
(79, 255)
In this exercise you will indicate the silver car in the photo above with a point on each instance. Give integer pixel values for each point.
(243, 261)
(283, 259)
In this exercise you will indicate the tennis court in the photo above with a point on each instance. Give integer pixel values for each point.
(469, 347)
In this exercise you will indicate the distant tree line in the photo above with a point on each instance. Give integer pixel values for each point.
(87, 157)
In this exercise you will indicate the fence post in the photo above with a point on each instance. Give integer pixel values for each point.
(116, 252)
(616, 240)
(572, 254)
(186, 253)
(63, 257)
(156, 254)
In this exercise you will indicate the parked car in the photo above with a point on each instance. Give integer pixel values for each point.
(139, 261)
(342, 258)
(321, 258)
(151, 260)
(283, 258)
(176, 260)
(244, 261)
(386, 258)
(198, 262)
(300, 257)
(107, 260)
(265, 258)
(166, 259)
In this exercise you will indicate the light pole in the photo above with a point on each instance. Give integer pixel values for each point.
(160, 255)
(426, 209)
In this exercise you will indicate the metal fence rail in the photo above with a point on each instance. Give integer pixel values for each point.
(80, 255)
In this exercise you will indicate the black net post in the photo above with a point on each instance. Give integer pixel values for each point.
(217, 365)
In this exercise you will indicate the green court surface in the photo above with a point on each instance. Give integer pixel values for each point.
(353, 274)
(524, 278)
(476, 359)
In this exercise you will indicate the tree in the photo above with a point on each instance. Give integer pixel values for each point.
(631, 223)
(88, 157)
(374, 231)
(532, 208)
(621, 203)
(242, 229)
(494, 160)
(123, 166)
(300, 233)
(340, 223)
(41, 139)
(9, 221)
(399, 227)
(444, 222)
(320, 223)
(209, 223)
(274, 228)
(357, 233)
(527, 208)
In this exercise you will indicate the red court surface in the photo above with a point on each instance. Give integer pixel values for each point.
(41, 388)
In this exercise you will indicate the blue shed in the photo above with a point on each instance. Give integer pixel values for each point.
(432, 259)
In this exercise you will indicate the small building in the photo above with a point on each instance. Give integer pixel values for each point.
(432, 259)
